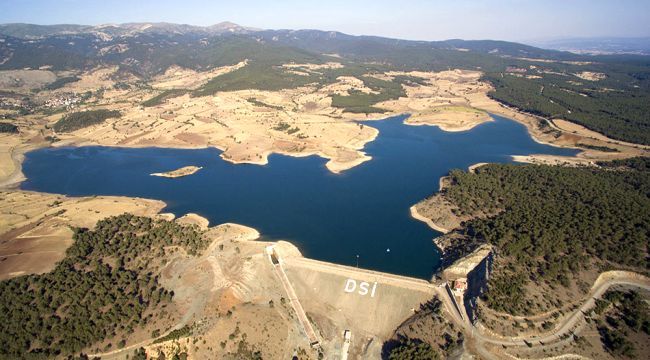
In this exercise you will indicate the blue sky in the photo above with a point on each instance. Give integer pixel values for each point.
(408, 19)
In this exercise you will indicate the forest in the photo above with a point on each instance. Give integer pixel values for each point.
(8, 128)
(160, 98)
(61, 82)
(360, 102)
(102, 288)
(554, 221)
(412, 349)
(619, 314)
(80, 120)
(427, 334)
(616, 105)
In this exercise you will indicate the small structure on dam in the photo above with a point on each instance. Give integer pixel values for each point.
(460, 286)
(467, 278)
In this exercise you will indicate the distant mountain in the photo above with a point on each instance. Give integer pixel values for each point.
(31, 31)
(605, 93)
(599, 46)
(227, 26)
(312, 40)
(150, 48)
(343, 44)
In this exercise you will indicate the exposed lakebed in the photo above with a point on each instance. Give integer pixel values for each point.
(363, 211)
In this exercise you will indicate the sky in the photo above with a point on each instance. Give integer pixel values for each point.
(514, 20)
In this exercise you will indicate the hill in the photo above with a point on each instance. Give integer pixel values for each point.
(607, 93)
(550, 224)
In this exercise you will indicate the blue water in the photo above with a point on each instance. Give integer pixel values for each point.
(363, 211)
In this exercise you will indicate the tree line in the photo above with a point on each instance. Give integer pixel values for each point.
(102, 288)
(554, 221)
(8, 128)
(82, 119)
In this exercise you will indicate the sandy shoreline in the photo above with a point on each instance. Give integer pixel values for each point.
(12, 155)
(450, 121)
(247, 126)
(416, 215)
(334, 165)
(432, 224)
(563, 138)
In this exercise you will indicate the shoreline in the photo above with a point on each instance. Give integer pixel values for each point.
(17, 154)
(441, 185)
(336, 166)
(17, 157)
(449, 128)
(417, 216)
(624, 149)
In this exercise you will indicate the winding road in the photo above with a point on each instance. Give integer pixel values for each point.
(568, 326)
(563, 330)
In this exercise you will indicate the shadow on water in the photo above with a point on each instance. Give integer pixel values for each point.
(364, 211)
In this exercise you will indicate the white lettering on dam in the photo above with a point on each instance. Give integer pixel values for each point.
(364, 287)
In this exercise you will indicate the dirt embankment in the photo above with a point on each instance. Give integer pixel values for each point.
(35, 227)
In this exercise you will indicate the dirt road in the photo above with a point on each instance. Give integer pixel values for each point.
(569, 325)
(295, 303)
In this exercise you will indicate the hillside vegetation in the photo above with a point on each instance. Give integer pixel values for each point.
(553, 222)
(427, 334)
(160, 98)
(616, 106)
(544, 82)
(103, 287)
(61, 82)
(8, 128)
(80, 120)
(620, 314)
(360, 102)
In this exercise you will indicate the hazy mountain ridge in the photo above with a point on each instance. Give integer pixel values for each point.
(312, 40)
(33, 31)
(69, 46)
(599, 46)
(330, 41)
(594, 91)
(139, 46)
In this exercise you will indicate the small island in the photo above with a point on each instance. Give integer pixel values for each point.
(184, 171)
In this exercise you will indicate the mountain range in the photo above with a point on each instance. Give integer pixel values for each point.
(150, 48)
(606, 93)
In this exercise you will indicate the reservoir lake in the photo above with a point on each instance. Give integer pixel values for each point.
(332, 217)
